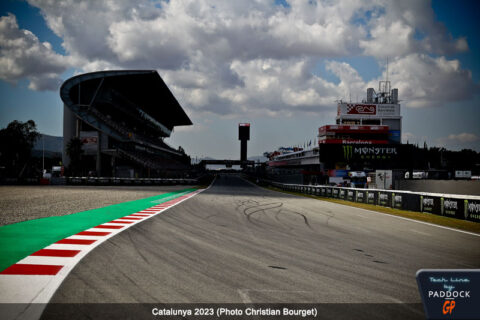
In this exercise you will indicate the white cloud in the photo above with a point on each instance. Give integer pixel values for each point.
(459, 141)
(407, 27)
(232, 57)
(351, 84)
(408, 136)
(462, 137)
(424, 81)
(22, 55)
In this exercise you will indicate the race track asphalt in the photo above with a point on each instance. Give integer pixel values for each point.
(238, 243)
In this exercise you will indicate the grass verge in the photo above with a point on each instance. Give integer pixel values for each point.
(420, 216)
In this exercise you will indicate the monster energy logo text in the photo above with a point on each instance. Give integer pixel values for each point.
(427, 202)
(383, 196)
(349, 151)
(450, 204)
(474, 207)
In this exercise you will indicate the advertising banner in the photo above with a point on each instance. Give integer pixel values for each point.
(352, 141)
(323, 192)
(89, 141)
(385, 199)
(388, 110)
(350, 195)
(362, 109)
(383, 179)
(453, 208)
(361, 196)
(342, 194)
(430, 204)
(335, 193)
(329, 192)
(372, 197)
(330, 154)
(366, 109)
(472, 210)
(395, 135)
(397, 199)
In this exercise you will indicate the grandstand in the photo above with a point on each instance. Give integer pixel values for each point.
(122, 119)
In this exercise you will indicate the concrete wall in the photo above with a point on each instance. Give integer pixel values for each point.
(440, 186)
(69, 131)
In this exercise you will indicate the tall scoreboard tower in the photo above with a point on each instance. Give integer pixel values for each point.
(243, 136)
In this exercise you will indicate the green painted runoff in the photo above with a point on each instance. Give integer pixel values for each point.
(19, 240)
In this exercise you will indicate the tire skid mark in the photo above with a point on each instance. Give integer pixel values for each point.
(252, 207)
(260, 208)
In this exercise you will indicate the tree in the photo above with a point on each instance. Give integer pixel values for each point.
(16, 143)
(74, 151)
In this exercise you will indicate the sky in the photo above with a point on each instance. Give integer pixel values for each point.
(279, 65)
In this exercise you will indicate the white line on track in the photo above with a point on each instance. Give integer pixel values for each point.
(393, 216)
(412, 220)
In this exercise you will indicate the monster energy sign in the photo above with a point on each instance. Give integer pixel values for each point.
(373, 153)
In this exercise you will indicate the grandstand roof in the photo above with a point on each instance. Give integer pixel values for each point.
(144, 88)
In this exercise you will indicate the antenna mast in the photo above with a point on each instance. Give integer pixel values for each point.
(384, 89)
(387, 68)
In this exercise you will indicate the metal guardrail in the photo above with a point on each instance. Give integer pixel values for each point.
(103, 181)
(462, 207)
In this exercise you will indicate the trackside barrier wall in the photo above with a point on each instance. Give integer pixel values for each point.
(101, 181)
(463, 207)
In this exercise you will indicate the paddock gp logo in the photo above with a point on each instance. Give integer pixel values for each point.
(450, 294)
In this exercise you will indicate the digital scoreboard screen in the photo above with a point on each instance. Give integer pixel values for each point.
(244, 131)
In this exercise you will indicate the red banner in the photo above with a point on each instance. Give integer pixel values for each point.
(351, 141)
(370, 109)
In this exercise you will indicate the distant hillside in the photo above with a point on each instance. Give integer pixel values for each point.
(52, 143)
(258, 158)
(252, 158)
